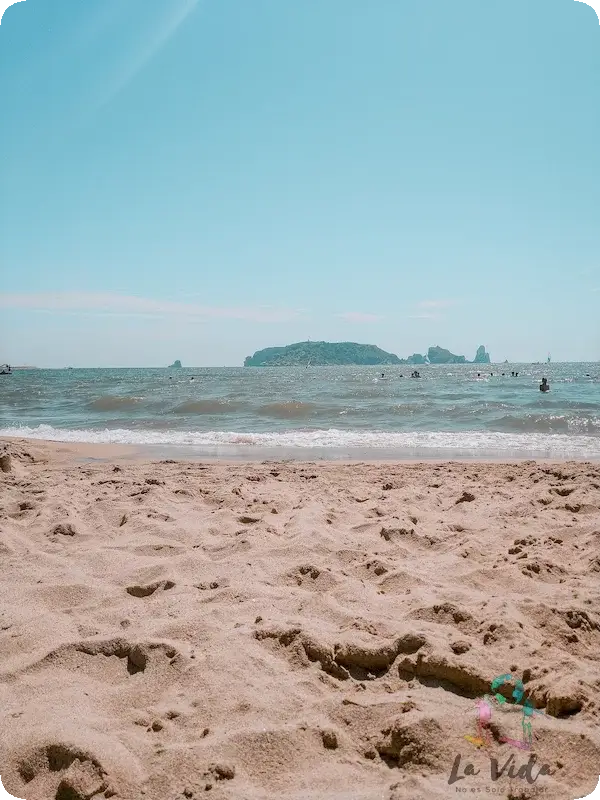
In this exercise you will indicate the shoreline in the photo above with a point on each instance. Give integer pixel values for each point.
(300, 455)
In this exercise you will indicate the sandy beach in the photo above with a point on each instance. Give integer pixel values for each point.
(296, 630)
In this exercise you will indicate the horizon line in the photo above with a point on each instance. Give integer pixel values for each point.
(25, 368)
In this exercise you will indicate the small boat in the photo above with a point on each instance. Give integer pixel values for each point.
(5, 369)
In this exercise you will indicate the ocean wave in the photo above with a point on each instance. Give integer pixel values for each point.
(559, 403)
(290, 410)
(112, 402)
(475, 443)
(209, 407)
(407, 409)
(549, 423)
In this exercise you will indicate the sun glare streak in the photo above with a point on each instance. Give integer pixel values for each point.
(145, 52)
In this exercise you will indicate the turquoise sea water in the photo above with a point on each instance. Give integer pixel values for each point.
(315, 411)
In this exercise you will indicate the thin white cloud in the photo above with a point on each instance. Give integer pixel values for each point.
(424, 316)
(164, 29)
(129, 305)
(358, 316)
(436, 303)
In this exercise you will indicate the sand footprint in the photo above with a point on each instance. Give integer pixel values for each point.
(149, 589)
(62, 770)
(110, 660)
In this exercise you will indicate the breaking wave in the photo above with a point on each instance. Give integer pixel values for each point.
(400, 443)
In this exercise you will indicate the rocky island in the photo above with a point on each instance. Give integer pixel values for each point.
(321, 354)
(438, 355)
(347, 353)
(176, 365)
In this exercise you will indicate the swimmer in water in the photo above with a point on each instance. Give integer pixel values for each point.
(544, 385)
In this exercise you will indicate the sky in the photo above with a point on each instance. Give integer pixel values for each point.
(200, 179)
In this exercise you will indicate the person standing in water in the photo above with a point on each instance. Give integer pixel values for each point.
(544, 385)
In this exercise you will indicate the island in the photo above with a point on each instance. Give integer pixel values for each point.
(320, 354)
(438, 355)
(176, 365)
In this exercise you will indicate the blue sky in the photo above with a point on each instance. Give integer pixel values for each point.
(198, 179)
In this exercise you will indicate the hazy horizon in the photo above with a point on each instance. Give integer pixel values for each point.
(190, 365)
(184, 366)
(199, 181)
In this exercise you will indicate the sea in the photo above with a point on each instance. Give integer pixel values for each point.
(338, 412)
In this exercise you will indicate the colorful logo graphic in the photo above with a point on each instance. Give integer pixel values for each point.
(485, 706)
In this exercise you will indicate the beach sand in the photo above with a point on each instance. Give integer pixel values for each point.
(293, 630)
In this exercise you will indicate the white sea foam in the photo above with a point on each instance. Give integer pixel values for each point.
(404, 442)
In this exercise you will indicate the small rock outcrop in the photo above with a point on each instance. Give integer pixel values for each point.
(439, 355)
(175, 365)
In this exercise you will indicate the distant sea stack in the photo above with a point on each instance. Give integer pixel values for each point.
(482, 357)
(176, 365)
(321, 354)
